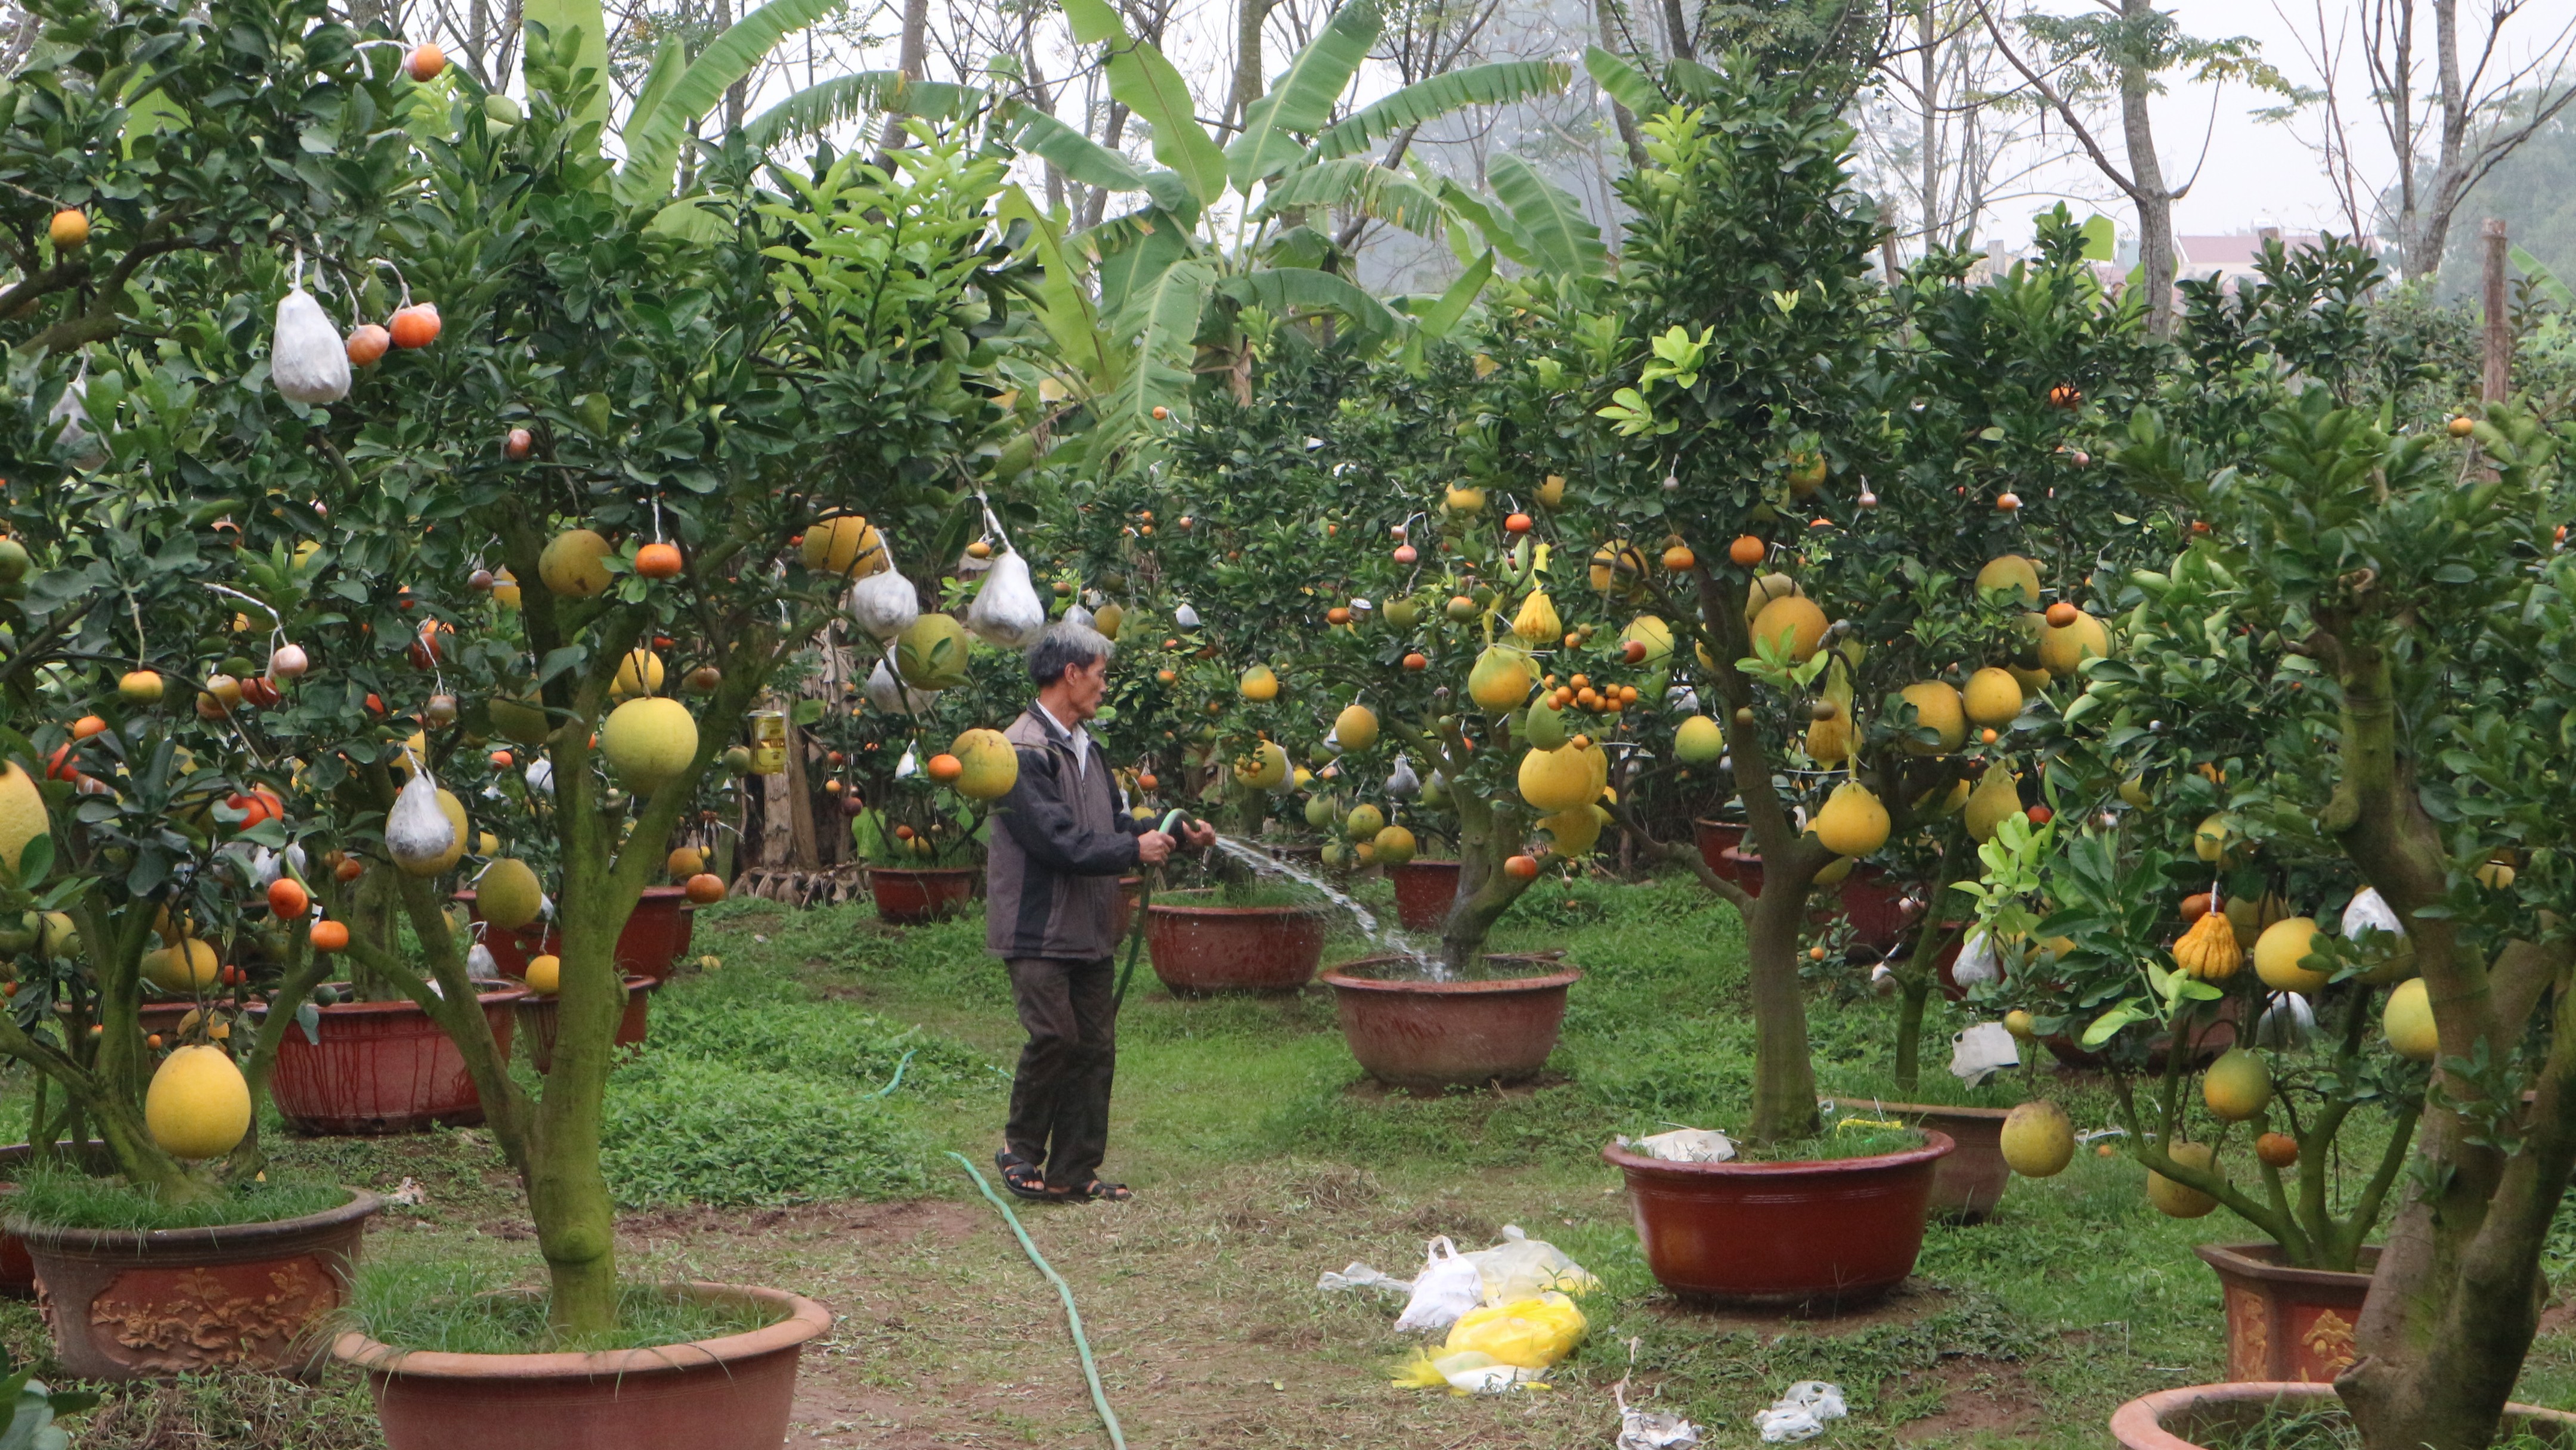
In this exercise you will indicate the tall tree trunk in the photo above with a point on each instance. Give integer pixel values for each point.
(1677, 30)
(2146, 170)
(1096, 204)
(911, 58)
(1248, 79)
(1620, 115)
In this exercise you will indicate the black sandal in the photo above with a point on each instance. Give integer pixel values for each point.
(1098, 1192)
(1024, 1178)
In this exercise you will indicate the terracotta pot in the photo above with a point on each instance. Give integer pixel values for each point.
(382, 1067)
(911, 897)
(128, 1306)
(2171, 1419)
(17, 1271)
(537, 1018)
(1830, 1232)
(1715, 839)
(1128, 889)
(732, 1393)
(652, 939)
(1233, 948)
(2285, 1323)
(1875, 904)
(1418, 1034)
(1968, 1184)
(1424, 891)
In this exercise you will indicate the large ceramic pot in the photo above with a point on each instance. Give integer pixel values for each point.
(126, 1305)
(731, 1393)
(1206, 948)
(382, 1067)
(1129, 888)
(1424, 891)
(1832, 1232)
(538, 1016)
(1716, 840)
(1968, 1183)
(17, 1271)
(1875, 904)
(650, 942)
(2285, 1323)
(909, 897)
(1411, 1033)
(2181, 1419)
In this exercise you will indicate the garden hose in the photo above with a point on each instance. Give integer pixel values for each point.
(888, 1090)
(1072, 1316)
(1136, 929)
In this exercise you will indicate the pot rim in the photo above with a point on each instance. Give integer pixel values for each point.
(506, 993)
(2242, 1261)
(1723, 825)
(1936, 1144)
(1550, 980)
(1432, 861)
(923, 870)
(137, 1243)
(805, 1319)
(2139, 1424)
(1924, 1110)
(1241, 913)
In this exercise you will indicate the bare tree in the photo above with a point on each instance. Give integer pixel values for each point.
(1948, 130)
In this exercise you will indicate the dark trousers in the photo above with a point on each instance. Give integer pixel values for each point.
(1060, 1097)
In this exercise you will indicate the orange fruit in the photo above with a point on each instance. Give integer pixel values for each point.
(944, 767)
(704, 888)
(330, 936)
(1746, 551)
(367, 345)
(658, 561)
(287, 898)
(87, 726)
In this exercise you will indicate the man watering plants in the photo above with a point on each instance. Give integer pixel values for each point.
(1059, 844)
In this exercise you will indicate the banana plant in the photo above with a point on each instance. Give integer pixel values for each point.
(1143, 303)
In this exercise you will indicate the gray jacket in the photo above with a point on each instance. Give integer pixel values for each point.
(1058, 846)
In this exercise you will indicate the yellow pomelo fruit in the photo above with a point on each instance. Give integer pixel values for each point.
(182, 970)
(1793, 622)
(847, 546)
(2172, 1199)
(992, 765)
(2031, 681)
(1537, 625)
(1500, 680)
(522, 721)
(1950, 801)
(684, 862)
(1834, 872)
(505, 589)
(1764, 589)
(1617, 565)
(1699, 741)
(1363, 823)
(649, 741)
(575, 564)
(931, 655)
(2237, 1086)
(1108, 620)
(1655, 635)
(639, 673)
(2407, 1021)
(2061, 650)
(1259, 684)
(1265, 769)
(2278, 951)
(56, 935)
(22, 813)
(2010, 571)
(2214, 840)
(1394, 846)
(198, 1105)
(545, 974)
(1939, 708)
(1994, 798)
(1355, 727)
(460, 831)
(2038, 1140)
(1464, 500)
(1853, 823)
(1559, 779)
(1829, 741)
(1993, 697)
(508, 894)
(2134, 791)
(1575, 831)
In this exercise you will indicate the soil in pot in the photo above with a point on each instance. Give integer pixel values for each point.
(1497, 1026)
(1424, 892)
(382, 1067)
(730, 1390)
(2284, 1415)
(148, 1302)
(1812, 1234)
(2286, 1323)
(538, 1016)
(1200, 944)
(651, 941)
(909, 897)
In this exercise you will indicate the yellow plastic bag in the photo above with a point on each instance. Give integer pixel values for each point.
(1529, 1333)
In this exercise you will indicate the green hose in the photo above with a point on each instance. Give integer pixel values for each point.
(1136, 929)
(1072, 1316)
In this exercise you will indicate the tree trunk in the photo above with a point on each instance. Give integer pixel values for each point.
(911, 59)
(1677, 30)
(2146, 171)
(567, 1193)
(1784, 1082)
(1248, 80)
(1620, 115)
(1485, 890)
(372, 921)
(2498, 382)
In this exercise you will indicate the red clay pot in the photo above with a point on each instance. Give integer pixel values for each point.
(1834, 1232)
(382, 1067)
(1875, 904)
(1715, 839)
(1968, 1183)
(537, 1018)
(1418, 1034)
(1233, 948)
(126, 1306)
(652, 939)
(2174, 1419)
(1424, 892)
(907, 897)
(732, 1393)
(2285, 1323)
(1125, 919)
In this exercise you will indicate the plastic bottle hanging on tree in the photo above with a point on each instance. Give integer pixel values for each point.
(769, 742)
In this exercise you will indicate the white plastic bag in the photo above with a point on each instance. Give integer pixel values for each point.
(2286, 1024)
(1521, 1267)
(2370, 911)
(1982, 1051)
(479, 964)
(417, 833)
(1684, 1145)
(540, 775)
(1447, 1288)
(1361, 1276)
(1006, 613)
(892, 695)
(1651, 1430)
(78, 439)
(884, 603)
(1801, 1413)
(306, 358)
(909, 766)
(1401, 782)
(1976, 962)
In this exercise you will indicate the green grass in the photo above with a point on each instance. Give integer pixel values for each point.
(457, 1306)
(74, 1200)
(683, 1129)
(1835, 1144)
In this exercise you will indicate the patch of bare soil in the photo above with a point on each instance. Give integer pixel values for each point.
(1966, 1398)
(1910, 1302)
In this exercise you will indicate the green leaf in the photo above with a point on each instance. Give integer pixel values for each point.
(1362, 186)
(1132, 253)
(1147, 83)
(580, 34)
(670, 61)
(820, 107)
(1560, 236)
(1093, 22)
(1278, 289)
(1496, 83)
(806, 712)
(1623, 82)
(1301, 100)
(1064, 304)
(2544, 279)
(35, 859)
(2109, 1024)
(1497, 227)
(653, 148)
(1436, 320)
(1163, 316)
(1078, 156)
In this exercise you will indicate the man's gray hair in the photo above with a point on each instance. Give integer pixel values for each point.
(1067, 646)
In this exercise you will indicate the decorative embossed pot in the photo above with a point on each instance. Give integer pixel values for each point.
(2286, 1324)
(127, 1306)
(2181, 1419)
(732, 1393)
